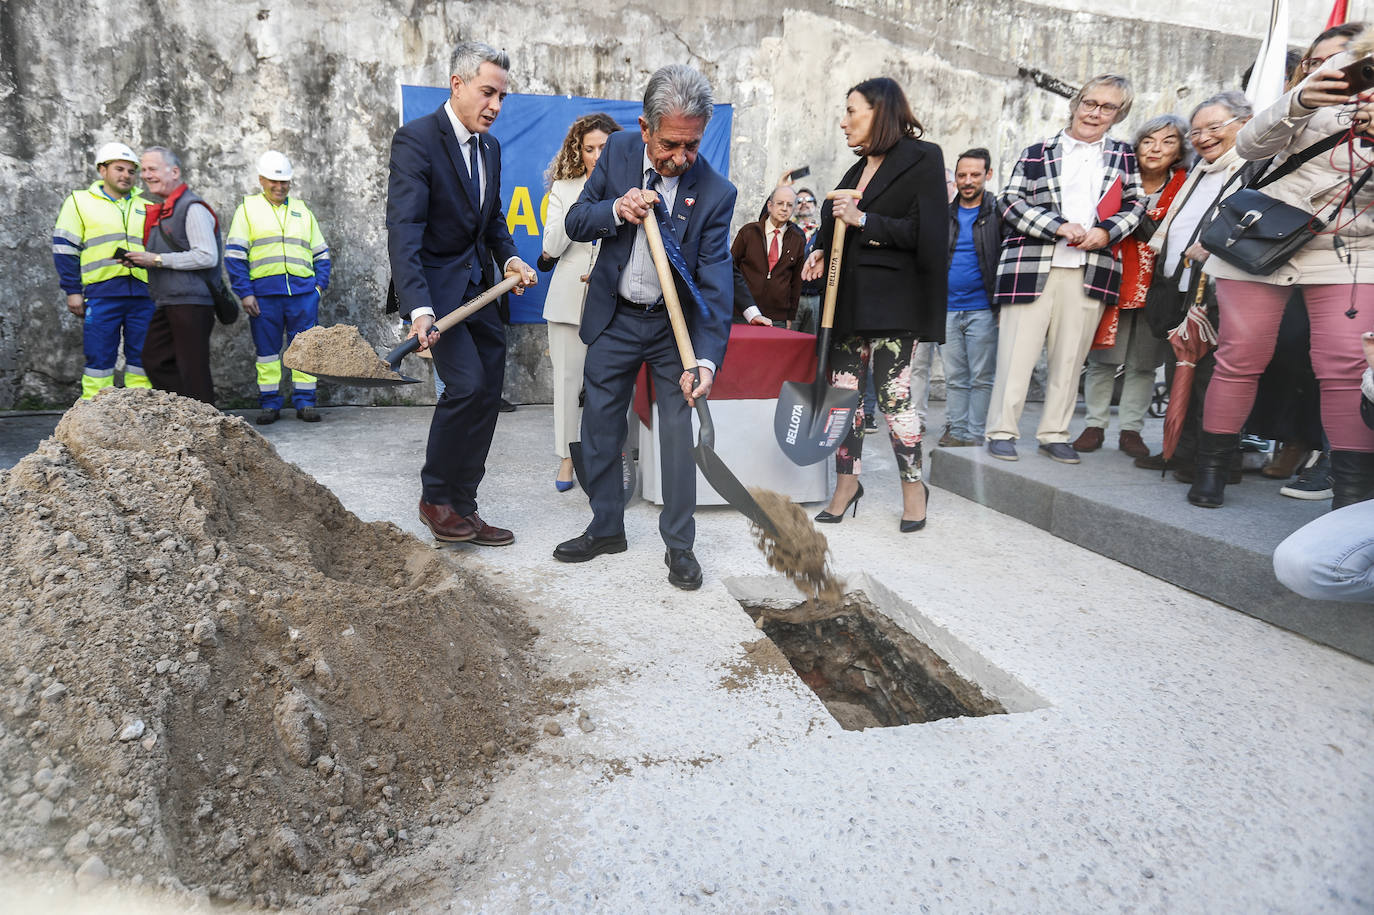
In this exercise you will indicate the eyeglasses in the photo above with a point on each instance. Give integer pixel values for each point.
(1107, 107)
(1197, 132)
(806, 200)
(1309, 64)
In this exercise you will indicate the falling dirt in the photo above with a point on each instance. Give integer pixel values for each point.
(338, 351)
(215, 678)
(799, 551)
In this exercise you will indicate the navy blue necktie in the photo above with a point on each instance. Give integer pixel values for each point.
(479, 278)
(670, 247)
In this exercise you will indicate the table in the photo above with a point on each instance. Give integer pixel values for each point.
(743, 399)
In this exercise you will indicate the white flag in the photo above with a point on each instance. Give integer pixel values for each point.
(1271, 64)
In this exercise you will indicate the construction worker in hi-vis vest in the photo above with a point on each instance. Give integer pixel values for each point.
(278, 265)
(95, 227)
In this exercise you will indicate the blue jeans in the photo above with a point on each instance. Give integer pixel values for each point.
(970, 356)
(1331, 558)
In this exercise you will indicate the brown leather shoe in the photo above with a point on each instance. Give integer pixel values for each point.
(486, 535)
(1131, 443)
(446, 524)
(1152, 462)
(1285, 462)
(1091, 439)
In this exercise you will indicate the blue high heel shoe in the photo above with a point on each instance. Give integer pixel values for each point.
(563, 485)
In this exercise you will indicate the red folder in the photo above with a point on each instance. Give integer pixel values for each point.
(1110, 204)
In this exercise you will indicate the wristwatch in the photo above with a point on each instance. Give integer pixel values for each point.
(863, 220)
(157, 261)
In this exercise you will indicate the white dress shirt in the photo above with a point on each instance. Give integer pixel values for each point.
(770, 233)
(1080, 173)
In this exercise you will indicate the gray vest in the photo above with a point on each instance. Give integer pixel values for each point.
(178, 287)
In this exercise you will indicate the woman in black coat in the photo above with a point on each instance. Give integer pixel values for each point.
(892, 280)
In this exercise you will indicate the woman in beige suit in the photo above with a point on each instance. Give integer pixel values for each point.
(568, 289)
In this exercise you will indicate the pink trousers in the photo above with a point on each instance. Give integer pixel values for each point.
(1250, 315)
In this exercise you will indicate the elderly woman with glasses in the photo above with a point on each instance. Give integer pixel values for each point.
(1334, 270)
(1126, 342)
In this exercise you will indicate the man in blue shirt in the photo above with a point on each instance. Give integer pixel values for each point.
(970, 348)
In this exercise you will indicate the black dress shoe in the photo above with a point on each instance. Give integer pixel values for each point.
(683, 569)
(911, 527)
(580, 549)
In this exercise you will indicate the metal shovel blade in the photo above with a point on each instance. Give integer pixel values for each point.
(629, 476)
(812, 419)
(725, 483)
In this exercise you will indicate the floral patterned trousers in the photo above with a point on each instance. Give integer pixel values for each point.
(889, 358)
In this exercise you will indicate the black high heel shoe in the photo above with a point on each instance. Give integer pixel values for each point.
(827, 518)
(911, 527)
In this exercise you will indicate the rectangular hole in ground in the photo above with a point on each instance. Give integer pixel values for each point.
(869, 671)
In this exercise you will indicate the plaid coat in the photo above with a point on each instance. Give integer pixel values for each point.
(1030, 206)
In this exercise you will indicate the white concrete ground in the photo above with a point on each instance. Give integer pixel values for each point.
(1188, 759)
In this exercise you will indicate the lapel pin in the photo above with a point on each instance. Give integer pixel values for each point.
(689, 200)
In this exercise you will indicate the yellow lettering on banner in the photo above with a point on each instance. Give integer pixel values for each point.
(544, 210)
(521, 212)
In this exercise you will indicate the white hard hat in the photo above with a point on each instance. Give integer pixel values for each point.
(112, 152)
(274, 166)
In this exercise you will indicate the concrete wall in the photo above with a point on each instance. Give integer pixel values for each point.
(221, 81)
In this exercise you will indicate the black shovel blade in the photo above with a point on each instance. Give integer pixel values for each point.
(812, 419)
(369, 382)
(629, 476)
(729, 488)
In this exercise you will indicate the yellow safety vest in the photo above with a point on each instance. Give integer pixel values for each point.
(97, 226)
(279, 239)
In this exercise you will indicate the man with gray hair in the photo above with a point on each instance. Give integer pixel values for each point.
(181, 235)
(1069, 200)
(624, 321)
(445, 223)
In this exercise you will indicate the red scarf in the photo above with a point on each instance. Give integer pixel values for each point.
(158, 211)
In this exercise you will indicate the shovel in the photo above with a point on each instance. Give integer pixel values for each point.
(411, 344)
(812, 419)
(725, 483)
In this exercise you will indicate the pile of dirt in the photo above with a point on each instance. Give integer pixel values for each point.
(338, 350)
(214, 677)
(798, 550)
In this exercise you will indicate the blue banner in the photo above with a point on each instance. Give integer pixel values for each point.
(531, 129)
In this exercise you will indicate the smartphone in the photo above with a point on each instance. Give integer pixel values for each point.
(799, 172)
(1359, 75)
(120, 253)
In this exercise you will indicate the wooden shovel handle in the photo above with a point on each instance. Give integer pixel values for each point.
(670, 299)
(467, 309)
(832, 273)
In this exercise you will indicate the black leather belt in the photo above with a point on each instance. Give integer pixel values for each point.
(625, 303)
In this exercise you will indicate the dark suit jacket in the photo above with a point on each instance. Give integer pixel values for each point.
(701, 222)
(894, 274)
(777, 291)
(434, 228)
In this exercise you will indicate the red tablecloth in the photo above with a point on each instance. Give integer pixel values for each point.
(757, 361)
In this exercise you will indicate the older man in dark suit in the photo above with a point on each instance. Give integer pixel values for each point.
(444, 225)
(624, 323)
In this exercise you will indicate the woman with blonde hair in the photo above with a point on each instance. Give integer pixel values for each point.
(566, 175)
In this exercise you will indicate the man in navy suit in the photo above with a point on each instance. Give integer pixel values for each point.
(624, 322)
(445, 224)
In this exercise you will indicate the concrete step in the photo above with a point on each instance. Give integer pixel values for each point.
(1109, 506)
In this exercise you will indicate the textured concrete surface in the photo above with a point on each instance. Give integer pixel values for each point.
(220, 82)
(1179, 757)
(1190, 758)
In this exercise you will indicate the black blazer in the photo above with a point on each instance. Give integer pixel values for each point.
(894, 274)
(434, 228)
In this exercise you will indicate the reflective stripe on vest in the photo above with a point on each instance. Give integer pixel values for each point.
(278, 238)
(100, 226)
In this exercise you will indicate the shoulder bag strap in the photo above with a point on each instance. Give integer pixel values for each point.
(1296, 161)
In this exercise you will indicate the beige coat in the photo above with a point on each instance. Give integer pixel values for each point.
(567, 292)
(1281, 130)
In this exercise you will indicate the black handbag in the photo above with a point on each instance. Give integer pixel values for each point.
(1257, 233)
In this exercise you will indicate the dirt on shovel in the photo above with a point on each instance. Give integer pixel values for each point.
(338, 351)
(799, 550)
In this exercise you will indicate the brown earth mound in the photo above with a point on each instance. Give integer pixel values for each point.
(338, 350)
(799, 551)
(214, 676)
